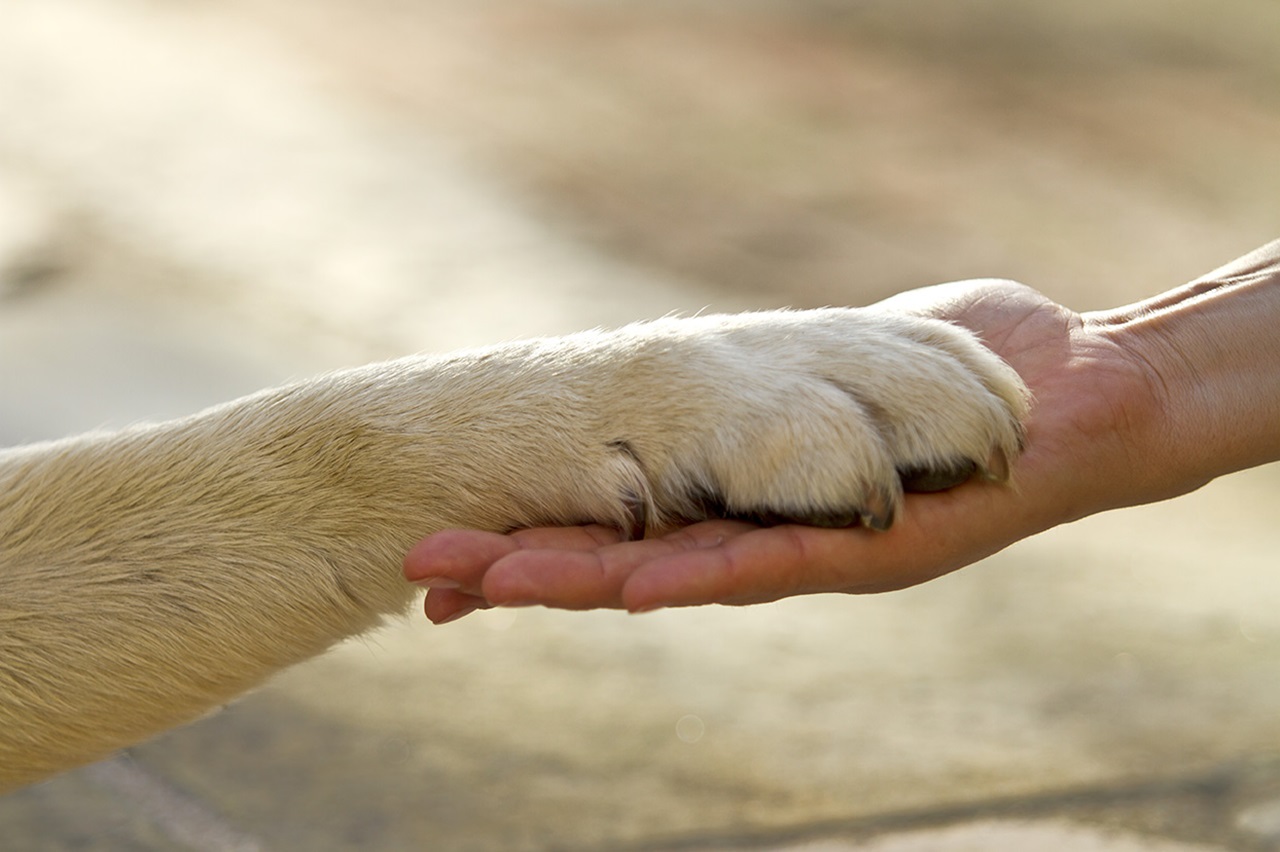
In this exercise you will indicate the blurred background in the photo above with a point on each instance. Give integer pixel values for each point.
(199, 199)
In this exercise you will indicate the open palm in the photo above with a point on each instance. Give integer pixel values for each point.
(1092, 400)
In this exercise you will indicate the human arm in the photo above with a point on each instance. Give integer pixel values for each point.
(1133, 405)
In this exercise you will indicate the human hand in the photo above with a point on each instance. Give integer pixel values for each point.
(1091, 442)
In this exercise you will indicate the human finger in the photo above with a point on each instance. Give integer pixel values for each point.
(443, 606)
(455, 560)
(458, 559)
(585, 577)
(757, 566)
(939, 532)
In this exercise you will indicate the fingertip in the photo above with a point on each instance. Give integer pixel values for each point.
(455, 615)
(446, 606)
(454, 556)
(421, 559)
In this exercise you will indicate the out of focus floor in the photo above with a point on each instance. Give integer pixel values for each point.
(200, 199)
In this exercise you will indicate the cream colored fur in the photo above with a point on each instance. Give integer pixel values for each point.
(149, 575)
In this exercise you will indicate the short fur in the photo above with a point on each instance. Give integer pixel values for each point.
(151, 574)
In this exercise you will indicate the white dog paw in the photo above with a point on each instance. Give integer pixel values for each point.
(817, 417)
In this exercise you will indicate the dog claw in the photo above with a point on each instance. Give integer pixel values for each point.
(878, 514)
(926, 479)
(997, 466)
(638, 515)
(832, 520)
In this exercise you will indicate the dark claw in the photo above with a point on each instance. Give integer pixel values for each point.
(925, 479)
(831, 520)
(636, 505)
(827, 520)
(638, 512)
(877, 514)
(879, 511)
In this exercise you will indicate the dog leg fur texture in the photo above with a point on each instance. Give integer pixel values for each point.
(151, 574)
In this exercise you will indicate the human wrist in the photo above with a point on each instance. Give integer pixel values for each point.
(1212, 357)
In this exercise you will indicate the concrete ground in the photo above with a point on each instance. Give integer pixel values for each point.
(198, 200)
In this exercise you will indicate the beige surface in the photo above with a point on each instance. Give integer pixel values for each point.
(198, 200)
(1006, 836)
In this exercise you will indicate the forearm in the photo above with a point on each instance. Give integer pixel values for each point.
(150, 575)
(1213, 350)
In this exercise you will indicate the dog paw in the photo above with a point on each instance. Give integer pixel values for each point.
(817, 417)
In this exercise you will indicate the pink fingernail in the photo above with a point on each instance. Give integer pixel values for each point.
(455, 616)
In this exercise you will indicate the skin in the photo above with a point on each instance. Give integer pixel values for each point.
(1132, 405)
